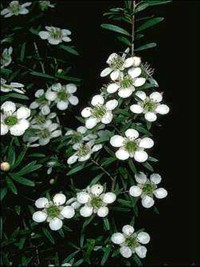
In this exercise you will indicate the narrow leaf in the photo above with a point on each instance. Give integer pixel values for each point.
(115, 28)
(150, 23)
(146, 46)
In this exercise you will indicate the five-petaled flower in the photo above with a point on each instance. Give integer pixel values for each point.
(55, 35)
(41, 102)
(130, 242)
(95, 201)
(147, 189)
(53, 211)
(13, 86)
(100, 112)
(131, 146)
(15, 9)
(150, 106)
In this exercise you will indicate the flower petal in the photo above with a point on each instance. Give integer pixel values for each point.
(4, 129)
(86, 211)
(143, 238)
(91, 122)
(141, 95)
(105, 72)
(147, 202)
(109, 198)
(102, 212)
(129, 62)
(126, 92)
(97, 100)
(150, 116)
(146, 142)
(156, 97)
(44, 35)
(73, 100)
(118, 238)
(155, 178)
(55, 224)
(131, 134)
(141, 178)
(83, 197)
(68, 212)
(96, 148)
(62, 105)
(72, 159)
(59, 199)
(8, 106)
(115, 75)
(41, 203)
(117, 141)
(134, 72)
(96, 189)
(135, 191)
(107, 118)
(162, 109)
(137, 109)
(122, 154)
(126, 252)
(86, 112)
(111, 104)
(112, 88)
(128, 230)
(141, 251)
(39, 216)
(160, 193)
(23, 113)
(140, 156)
(71, 88)
(139, 82)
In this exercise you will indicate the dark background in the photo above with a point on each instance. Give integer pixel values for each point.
(175, 232)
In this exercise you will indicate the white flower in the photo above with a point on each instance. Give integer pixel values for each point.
(101, 111)
(83, 151)
(41, 102)
(13, 86)
(131, 146)
(62, 95)
(13, 119)
(147, 189)
(45, 5)
(130, 242)
(117, 64)
(95, 201)
(15, 9)
(126, 83)
(55, 35)
(53, 211)
(150, 106)
(6, 58)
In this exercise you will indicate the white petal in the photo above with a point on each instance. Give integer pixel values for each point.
(141, 95)
(140, 156)
(126, 252)
(4, 129)
(34, 105)
(126, 92)
(23, 11)
(131, 134)
(118, 238)
(71, 88)
(59, 199)
(139, 82)
(72, 159)
(117, 141)
(68, 212)
(102, 212)
(105, 72)
(44, 35)
(39, 93)
(137, 109)
(135, 191)
(143, 238)
(55, 224)
(162, 109)
(112, 88)
(115, 75)
(156, 97)
(39, 216)
(17, 130)
(84, 158)
(91, 122)
(8, 106)
(51, 96)
(62, 105)
(97, 100)
(122, 154)
(41, 202)
(136, 61)
(96, 189)
(109, 198)
(45, 110)
(73, 100)
(23, 113)
(128, 62)
(147, 202)
(96, 148)
(141, 178)
(111, 104)
(146, 142)
(83, 197)
(155, 178)
(86, 211)
(150, 116)
(160, 193)
(134, 72)
(54, 41)
(107, 118)
(86, 112)
(81, 129)
(141, 251)
(128, 230)
(66, 32)
(111, 58)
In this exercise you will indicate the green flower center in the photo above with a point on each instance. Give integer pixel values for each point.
(41, 100)
(14, 8)
(63, 95)
(45, 133)
(131, 242)
(40, 119)
(53, 211)
(150, 106)
(99, 111)
(76, 138)
(117, 63)
(131, 146)
(96, 202)
(148, 188)
(83, 151)
(56, 33)
(11, 120)
(126, 82)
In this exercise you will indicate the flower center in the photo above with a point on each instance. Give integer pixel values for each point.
(63, 95)
(148, 188)
(11, 120)
(40, 119)
(41, 100)
(45, 133)
(99, 111)
(76, 138)
(56, 33)
(117, 63)
(53, 211)
(96, 202)
(131, 146)
(131, 242)
(149, 106)
(126, 82)
(83, 150)
(14, 7)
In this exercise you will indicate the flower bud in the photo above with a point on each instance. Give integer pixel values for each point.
(5, 166)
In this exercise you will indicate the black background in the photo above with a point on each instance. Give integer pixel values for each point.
(175, 232)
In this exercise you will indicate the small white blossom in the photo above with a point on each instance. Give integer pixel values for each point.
(149, 106)
(41, 102)
(13, 119)
(55, 35)
(13, 86)
(15, 9)
(95, 201)
(147, 189)
(130, 242)
(53, 211)
(100, 112)
(117, 64)
(131, 146)
(62, 95)
(83, 151)
(6, 57)
(45, 5)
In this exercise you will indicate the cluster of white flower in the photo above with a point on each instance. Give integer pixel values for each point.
(15, 9)
(147, 189)
(13, 86)
(53, 211)
(55, 35)
(6, 57)
(130, 242)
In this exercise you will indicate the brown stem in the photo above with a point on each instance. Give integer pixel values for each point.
(104, 170)
(38, 54)
(133, 30)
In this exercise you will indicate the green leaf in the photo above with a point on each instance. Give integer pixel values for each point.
(22, 53)
(150, 23)
(19, 158)
(3, 192)
(115, 28)
(157, 2)
(69, 49)
(96, 179)
(11, 185)
(124, 40)
(19, 96)
(132, 166)
(146, 46)
(76, 169)
(21, 180)
(32, 166)
(43, 75)
(141, 6)
(106, 223)
(11, 155)
(106, 255)
(48, 235)
(148, 166)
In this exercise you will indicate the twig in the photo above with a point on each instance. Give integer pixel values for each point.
(38, 54)
(133, 30)
(104, 170)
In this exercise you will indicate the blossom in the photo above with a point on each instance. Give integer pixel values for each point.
(147, 189)
(131, 146)
(95, 201)
(5, 166)
(41, 102)
(13, 86)
(13, 119)
(83, 151)
(130, 242)
(53, 211)
(150, 106)
(117, 64)
(45, 5)
(55, 35)
(15, 9)
(62, 95)
(6, 58)
(101, 111)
